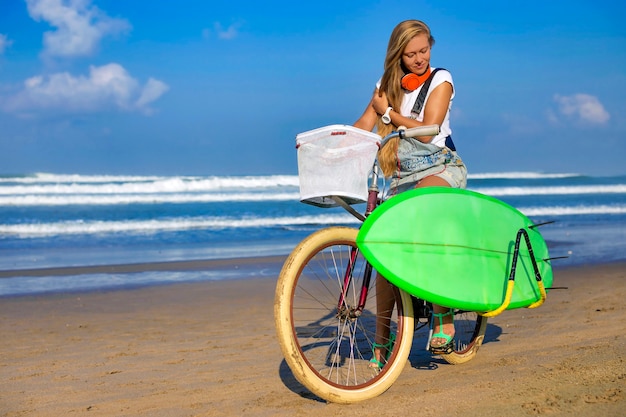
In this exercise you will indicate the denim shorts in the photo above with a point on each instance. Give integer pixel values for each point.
(453, 174)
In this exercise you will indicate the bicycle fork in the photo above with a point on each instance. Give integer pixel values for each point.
(343, 309)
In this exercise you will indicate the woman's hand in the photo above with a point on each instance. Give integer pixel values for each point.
(380, 102)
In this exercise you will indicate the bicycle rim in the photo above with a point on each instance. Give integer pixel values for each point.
(326, 344)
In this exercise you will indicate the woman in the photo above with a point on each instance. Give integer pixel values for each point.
(425, 161)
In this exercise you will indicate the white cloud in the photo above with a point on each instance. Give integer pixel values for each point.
(79, 26)
(108, 86)
(150, 92)
(4, 43)
(584, 107)
(230, 32)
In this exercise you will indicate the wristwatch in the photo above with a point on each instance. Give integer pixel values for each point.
(385, 117)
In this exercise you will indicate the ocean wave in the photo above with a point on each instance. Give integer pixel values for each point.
(214, 223)
(100, 200)
(75, 178)
(520, 175)
(110, 184)
(70, 190)
(572, 210)
(162, 225)
(552, 190)
(103, 198)
(228, 181)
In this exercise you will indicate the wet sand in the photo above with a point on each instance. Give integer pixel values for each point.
(209, 349)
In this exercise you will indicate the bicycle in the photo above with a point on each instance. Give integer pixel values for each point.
(325, 311)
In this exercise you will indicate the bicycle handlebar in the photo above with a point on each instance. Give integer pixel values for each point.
(429, 130)
(372, 201)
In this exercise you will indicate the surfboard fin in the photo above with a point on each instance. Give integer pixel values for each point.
(541, 224)
(555, 257)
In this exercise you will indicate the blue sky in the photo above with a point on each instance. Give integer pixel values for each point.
(221, 88)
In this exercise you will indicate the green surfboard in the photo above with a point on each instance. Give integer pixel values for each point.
(455, 248)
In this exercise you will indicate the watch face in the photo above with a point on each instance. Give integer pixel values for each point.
(385, 117)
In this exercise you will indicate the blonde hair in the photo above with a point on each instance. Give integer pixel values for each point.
(391, 83)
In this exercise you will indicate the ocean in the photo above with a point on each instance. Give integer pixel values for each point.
(53, 220)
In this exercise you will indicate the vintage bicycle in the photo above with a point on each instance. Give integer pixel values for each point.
(325, 303)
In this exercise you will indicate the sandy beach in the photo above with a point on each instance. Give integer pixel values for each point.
(209, 349)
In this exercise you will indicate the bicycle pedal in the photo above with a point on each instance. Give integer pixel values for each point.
(442, 350)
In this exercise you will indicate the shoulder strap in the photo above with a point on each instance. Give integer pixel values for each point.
(421, 97)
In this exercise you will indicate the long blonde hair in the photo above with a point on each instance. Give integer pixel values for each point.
(391, 83)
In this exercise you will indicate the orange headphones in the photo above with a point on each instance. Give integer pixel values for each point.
(412, 82)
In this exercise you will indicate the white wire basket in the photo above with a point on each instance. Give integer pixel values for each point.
(335, 160)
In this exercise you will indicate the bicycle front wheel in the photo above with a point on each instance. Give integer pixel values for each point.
(324, 336)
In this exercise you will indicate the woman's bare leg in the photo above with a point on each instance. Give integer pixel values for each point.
(448, 323)
(385, 300)
(448, 326)
(384, 306)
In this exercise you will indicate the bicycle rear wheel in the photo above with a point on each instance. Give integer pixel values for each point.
(469, 334)
(326, 343)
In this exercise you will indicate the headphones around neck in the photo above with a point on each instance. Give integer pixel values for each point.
(412, 81)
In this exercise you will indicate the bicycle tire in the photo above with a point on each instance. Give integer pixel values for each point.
(328, 353)
(468, 337)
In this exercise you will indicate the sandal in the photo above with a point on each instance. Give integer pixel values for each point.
(375, 363)
(448, 345)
